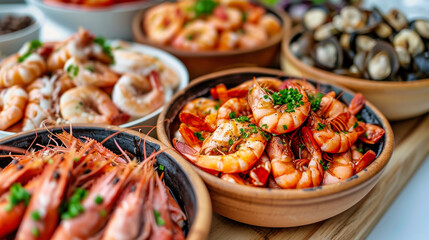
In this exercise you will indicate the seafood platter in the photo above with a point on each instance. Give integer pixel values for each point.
(262, 139)
(86, 79)
(209, 35)
(92, 181)
(375, 53)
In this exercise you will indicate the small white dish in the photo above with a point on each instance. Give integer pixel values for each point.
(110, 22)
(11, 42)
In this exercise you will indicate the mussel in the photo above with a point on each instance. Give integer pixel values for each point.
(315, 17)
(410, 41)
(396, 20)
(421, 26)
(381, 62)
(328, 54)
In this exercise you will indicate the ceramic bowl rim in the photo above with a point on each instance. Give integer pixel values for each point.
(263, 194)
(35, 14)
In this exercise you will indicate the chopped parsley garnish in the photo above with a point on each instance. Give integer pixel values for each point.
(291, 97)
(359, 150)
(34, 45)
(265, 96)
(359, 117)
(103, 212)
(324, 165)
(35, 215)
(232, 115)
(355, 125)
(98, 200)
(243, 16)
(315, 101)
(345, 132)
(242, 119)
(105, 46)
(90, 68)
(190, 37)
(158, 218)
(161, 167)
(17, 194)
(216, 107)
(231, 141)
(320, 126)
(76, 159)
(284, 127)
(264, 126)
(204, 7)
(35, 232)
(72, 70)
(74, 207)
(366, 135)
(243, 133)
(301, 146)
(199, 136)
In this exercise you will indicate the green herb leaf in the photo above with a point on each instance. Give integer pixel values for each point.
(264, 126)
(34, 45)
(204, 7)
(35, 215)
(315, 101)
(98, 200)
(359, 150)
(301, 146)
(161, 167)
(35, 232)
(90, 68)
(158, 218)
(366, 135)
(17, 195)
(320, 126)
(345, 132)
(355, 125)
(199, 136)
(106, 47)
(216, 107)
(231, 141)
(289, 97)
(76, 159)
(73, 207)
(103, 212)
(232, 115)
(284, 127)
(242, 119)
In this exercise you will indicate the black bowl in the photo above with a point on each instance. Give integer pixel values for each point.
(185, 185)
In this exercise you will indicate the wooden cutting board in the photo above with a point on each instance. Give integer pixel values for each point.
(411, 148)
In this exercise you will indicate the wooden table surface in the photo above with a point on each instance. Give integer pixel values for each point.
(411, 148)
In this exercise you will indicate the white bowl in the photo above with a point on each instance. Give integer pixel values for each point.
(110, 22)
(169, 60)
(11, 42)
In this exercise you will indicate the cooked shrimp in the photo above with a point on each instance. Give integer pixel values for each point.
(40, 103)
(87, 105)
(228, 40)
(276, 118)
(291, 173)
(90, 73)
(128, 61)
(233, 147)
(13, 72)
(225, 18)
(240, 4)
(46, 200)
(204, 108)
(339, 169)
(360, 160)
(271, 24)
(252, 37)
(234, 107)
(12, 103)
(243, 89)
(372, 134)
(79, 45)
(254, 13)
(258, 175)
(232, 178)
(137, 95)
(163, 22)
(196, 36)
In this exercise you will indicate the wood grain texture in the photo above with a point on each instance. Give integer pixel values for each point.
(411, 148)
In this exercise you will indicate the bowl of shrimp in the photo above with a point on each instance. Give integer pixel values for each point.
(210, 35)
(110, 18)
(101, 181)
(86, 79)
(277, 151)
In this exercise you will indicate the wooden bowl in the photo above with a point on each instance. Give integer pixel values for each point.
(184, 183)
(200, 63)
(397, 100)
(279, 207)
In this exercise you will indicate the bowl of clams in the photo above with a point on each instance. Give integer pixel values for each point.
(275, 150)
(385, 56)
(211, 35)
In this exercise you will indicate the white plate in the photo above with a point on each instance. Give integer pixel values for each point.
(169, 60)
